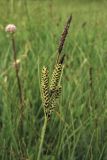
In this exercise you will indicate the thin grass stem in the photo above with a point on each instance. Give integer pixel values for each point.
(42, 138)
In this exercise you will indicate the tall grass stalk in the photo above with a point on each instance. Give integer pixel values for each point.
(17, 71)
(21, 107)
(42, 137)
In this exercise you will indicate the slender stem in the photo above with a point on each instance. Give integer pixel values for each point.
(19, 84)
(42, 138)
(17, 71)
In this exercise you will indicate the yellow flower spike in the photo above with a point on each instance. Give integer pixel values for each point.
(45, 90)
(56, 77)
(55, 96)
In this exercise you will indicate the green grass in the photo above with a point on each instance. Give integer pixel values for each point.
(81, 131)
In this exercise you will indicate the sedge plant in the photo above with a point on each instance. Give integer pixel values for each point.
(51, 88)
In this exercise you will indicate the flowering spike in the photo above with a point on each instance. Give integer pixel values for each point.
(45, 90)
(56, 77)
(64, 35)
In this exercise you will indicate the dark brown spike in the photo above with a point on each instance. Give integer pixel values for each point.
(64, 35)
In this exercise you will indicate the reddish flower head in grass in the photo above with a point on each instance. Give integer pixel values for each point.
(11, 28)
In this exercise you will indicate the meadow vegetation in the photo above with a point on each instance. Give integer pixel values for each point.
(77, 129)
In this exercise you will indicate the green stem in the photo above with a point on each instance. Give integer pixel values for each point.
(42, 138)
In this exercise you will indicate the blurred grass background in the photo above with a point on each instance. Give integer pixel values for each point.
(82, 135)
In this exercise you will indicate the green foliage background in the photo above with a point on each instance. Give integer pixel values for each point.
(80, 132)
